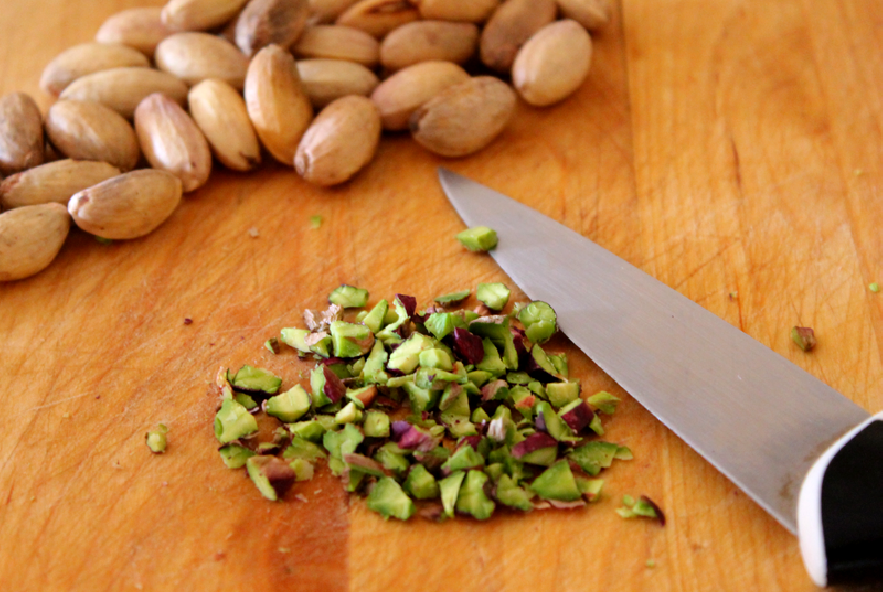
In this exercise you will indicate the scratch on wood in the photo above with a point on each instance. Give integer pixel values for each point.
(736, 165)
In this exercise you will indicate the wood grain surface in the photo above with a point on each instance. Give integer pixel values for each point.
(721, 145)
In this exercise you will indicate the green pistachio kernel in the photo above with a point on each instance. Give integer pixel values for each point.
(494, 295)
(249, 378)
(539, 320)
(478, 238)
(233, 421)
(290, 405)
(388, 500)
(452, 298)
(349, 296)
(156, 439)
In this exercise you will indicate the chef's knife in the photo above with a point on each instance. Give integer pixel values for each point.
(808, 455)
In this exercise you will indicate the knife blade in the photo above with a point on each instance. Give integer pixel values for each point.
(775, 430)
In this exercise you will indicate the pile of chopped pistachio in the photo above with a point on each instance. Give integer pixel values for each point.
(440, 411)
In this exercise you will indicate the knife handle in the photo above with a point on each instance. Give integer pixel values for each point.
(840, 509)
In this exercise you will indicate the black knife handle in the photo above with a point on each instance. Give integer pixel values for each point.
(840, 510)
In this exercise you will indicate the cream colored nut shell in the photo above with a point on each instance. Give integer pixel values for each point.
(401, 94)
(30, 238)
(140, 28)
(21, 133)
(220, 112)
(53, 182)
(473, 11)
(277, 104)
(87, 58)
(464, 118)
(327, 80)
(199, 15)
(378, 17)
(193, 57)
(327, 11)
(341, 141)
(511, 24)
(591, 14)
(172, 142)
(338, 42)
(553, 63)
(86, 130)
(127, 206)
(265, 22)
(424, 41)
(122, 89)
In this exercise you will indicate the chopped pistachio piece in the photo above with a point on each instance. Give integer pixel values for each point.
(272, 345)
(420, 483)
(233, 421)
(643, 507)
(874, 287)
(604, 402)
(450, 491)
(303, 469)
(594, 456)
(539, 320)
(351, 340)
(303, 449)
(557, 483)
(290, 405)
(311, 429)
(349, 414)
(156, 439)
(472, 498)
(253, 379)
(316, 221)
(234, 455)
(478, 238)
(452, 298)
(272, 476)
(376, 424)
(388, 500)
(562, 393)
(440, 324)
(348, 296)
(804, 337)
(510, 494)
(376, 318)
(494, 295)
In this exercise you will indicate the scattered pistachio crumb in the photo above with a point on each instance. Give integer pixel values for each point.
(33, 498)
(104, 241)
(650, 563)
(156, 439)
(66, 415)
(253, 232)
(478, 238)
(734, 295)
(188, 321)
(272, 344)
(284, 550)
(316, 221)
(874, 287)
(804, 337)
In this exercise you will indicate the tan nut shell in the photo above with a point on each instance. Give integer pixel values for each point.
(327, 80)
(141, 28)
(424, 41)
(30, 238)
(341, 141)
(327, 11)
(338, 42)
(87, 58)
(378, 17)
(127, 206)
(264, 22)
(53, 182)
(194, 57)
(122, 89)
(401, 94)
(277, 104)
(465, 118)
(591, 14)
(219, 111)
(199, 15)
(172, 142)
(21, 133)
(86, 130)
(511, 24)
(553, 63)
(473, 11)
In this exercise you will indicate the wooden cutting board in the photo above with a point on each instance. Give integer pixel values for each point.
(725, 146)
